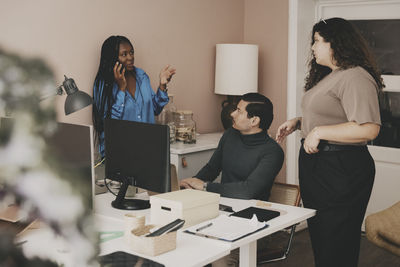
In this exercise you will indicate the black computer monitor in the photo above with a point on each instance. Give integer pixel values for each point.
(137, 154)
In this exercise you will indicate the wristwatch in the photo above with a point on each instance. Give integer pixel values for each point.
(205, 186)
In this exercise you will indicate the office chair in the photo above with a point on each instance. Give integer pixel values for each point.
(287, 194)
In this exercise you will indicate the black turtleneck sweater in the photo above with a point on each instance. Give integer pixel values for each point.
(249, 165)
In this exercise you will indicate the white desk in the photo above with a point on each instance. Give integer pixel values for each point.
(193, 250)
(190, 251)
(248, 245)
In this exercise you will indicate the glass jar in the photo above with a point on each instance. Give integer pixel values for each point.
(172, 132)
(166, 117)
(185, 126)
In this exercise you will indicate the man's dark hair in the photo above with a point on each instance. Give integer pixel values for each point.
(261, 107)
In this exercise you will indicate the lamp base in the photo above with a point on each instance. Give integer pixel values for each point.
(228, 106)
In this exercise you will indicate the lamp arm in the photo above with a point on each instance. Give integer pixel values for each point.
(59, 91)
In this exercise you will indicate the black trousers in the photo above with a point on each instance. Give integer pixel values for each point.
(338, 185)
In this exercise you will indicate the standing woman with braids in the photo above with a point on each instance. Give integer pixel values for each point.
(123, 91)
(340, 114)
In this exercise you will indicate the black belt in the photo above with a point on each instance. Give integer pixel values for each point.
(324, 146)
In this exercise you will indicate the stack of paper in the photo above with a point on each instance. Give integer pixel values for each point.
(227, 228)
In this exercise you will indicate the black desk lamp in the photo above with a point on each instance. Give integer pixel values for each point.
(236, 72)
(76, 100)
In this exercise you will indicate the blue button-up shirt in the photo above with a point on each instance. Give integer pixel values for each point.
(142, 107)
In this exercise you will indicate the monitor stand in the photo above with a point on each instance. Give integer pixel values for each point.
(128, 204)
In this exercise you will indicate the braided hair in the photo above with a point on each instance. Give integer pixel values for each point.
(105, 79)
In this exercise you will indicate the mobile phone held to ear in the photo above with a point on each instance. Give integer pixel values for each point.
(122, 69)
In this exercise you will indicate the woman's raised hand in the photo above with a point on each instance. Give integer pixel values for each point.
(119, 76)
(286, 128)
(166, 75)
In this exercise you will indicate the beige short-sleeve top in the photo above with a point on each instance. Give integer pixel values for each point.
(342, 96)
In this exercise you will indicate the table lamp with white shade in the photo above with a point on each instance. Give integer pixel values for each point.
(236, 73)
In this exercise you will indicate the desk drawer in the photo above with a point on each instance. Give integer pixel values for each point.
(187, 165)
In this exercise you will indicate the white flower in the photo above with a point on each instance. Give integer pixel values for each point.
(24, 172)
(48, 90)
(19, 89)
(2, 86)
(13, 74)
(53, 196)
(23, 149)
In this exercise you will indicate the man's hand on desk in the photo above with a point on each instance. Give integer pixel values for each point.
(192, 183)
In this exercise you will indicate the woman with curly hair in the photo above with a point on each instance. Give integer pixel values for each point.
(123, 91)
(340, 115)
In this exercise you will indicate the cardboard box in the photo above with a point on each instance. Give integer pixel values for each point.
(193, 206)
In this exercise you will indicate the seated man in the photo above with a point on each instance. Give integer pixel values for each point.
(248, 158)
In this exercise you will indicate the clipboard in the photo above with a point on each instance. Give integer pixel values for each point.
(226, 228)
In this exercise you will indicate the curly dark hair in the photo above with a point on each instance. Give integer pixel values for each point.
(349, 49)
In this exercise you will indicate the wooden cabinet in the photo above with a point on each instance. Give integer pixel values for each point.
(190, 158)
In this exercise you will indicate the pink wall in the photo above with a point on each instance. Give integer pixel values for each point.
(68, 34)
(266, 24)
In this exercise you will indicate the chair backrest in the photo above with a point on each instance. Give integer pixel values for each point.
(288, 194)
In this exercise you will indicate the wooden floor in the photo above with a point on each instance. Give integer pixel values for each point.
(301, 254)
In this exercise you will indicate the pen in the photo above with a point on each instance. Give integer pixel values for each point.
(203, 227)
